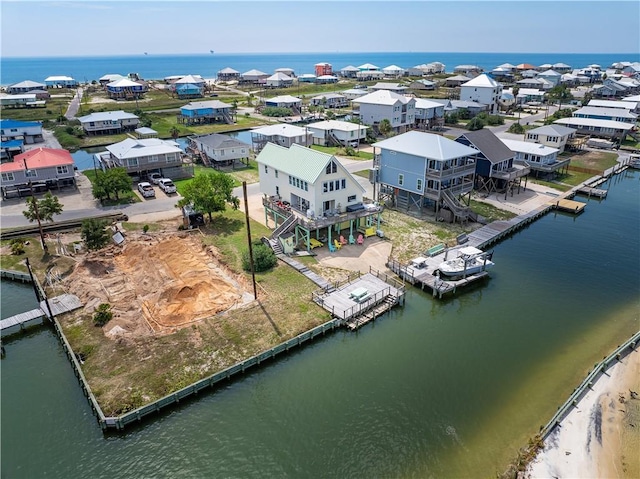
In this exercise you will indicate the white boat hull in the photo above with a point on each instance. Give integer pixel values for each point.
(470, 261)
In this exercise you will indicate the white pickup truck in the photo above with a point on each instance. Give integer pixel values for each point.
(167, 185)
(146, 190)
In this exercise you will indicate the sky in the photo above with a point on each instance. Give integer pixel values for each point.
(87, 27)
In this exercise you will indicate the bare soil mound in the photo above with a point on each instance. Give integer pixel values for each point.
(155, 284)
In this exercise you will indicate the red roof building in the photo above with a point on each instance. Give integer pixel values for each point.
(44, 168)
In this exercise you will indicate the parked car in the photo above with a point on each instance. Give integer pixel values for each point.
(155, 178)
(167, 185)
(146, 189)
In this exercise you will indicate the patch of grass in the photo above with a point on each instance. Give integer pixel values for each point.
(551, 184)
(340, 151)
(362, 173)
(490, 212)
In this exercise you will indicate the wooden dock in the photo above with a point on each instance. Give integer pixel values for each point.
(591, 191)
(570, 206)
(361, 300)
(60, 304)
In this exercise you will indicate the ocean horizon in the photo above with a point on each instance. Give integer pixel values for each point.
(158, 66)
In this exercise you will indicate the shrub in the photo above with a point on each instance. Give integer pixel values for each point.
(17, 247)
(349, 151)
(102, 314)
(94, 233)
(145, 228)
(276, 111)
(475, 124)
(516, 128)
(263, 258)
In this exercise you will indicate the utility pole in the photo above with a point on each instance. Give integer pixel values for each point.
(35, 208)
(246, 214)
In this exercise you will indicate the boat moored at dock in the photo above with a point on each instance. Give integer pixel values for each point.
(470, 260)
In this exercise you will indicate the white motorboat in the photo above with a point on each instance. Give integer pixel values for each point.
(469, 261)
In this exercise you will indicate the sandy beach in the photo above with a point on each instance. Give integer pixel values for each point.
(600, 438)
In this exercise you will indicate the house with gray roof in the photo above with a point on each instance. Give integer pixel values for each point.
(25, 87)
(254, 76)
(325, 201)
(554, 136)
(604, 113)
(108, 122)
(399, 110)
(456, 80)
(285, 101)
(228, 74)
(219, 150)
(349, 71)
(279, 80)
(429, 114)
(419, 170)
(330, 100)
(395, 87)
(495, 168)
(632, 105)
(551, 76)
(542, 160)
(141, 157)
(610, 129)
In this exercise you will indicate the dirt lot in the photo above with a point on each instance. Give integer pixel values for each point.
(157, 284)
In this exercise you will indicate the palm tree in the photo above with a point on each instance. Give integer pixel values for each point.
(175, 132)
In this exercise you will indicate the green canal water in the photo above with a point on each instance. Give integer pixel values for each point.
(435, 389)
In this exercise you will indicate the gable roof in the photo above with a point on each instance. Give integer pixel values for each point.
(349, 68)
(192, 79)
(549, 73)
(280, 76)
(229, 71)
(327, 96)
(426, 145)
(426, 103)
(383, 97)
(368, 66)
(217, 140)
(605, 111)
(489, 145)
(458, 78)
(579, 122)
(300, 161)
(38, 158)
(122, 83)
(255, 72)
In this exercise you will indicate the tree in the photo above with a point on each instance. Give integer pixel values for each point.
(94, 233)
(263, 258)
(475, 124)
(174, 132)
(47, 208)
(561, 94)
(208, 192)
(112, 181)
(102, 314)
(516, 128)
(385, 127)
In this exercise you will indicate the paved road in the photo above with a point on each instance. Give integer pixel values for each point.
(74, 106)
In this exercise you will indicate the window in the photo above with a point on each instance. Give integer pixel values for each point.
(325, 187)
(532, 136)
(290, 180)
(266, 169)
(331, 186)
(153, 159)
(275, 172)
(132, 162)
(331, 168)
(400, 179)
(343, 184)
(62, 170)
(31, 173)
(337, 185)
(306, 186)
(7, 177)
(351, 198)
(172, 158)
(277, 191)
(419, 184)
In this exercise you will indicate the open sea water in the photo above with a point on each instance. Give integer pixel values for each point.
(153, 66)
(438, 388)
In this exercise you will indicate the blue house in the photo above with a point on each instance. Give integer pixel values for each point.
(199, 112)
(188, 90)
(28, 132)
(417, 170)
(495, 169)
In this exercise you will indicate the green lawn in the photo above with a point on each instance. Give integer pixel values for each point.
(125, 197)
(340, 151)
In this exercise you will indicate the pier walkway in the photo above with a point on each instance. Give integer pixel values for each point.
(60, 304)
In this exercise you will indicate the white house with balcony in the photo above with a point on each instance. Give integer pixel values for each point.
(387, 105)
(336, 132)
(483, 89)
